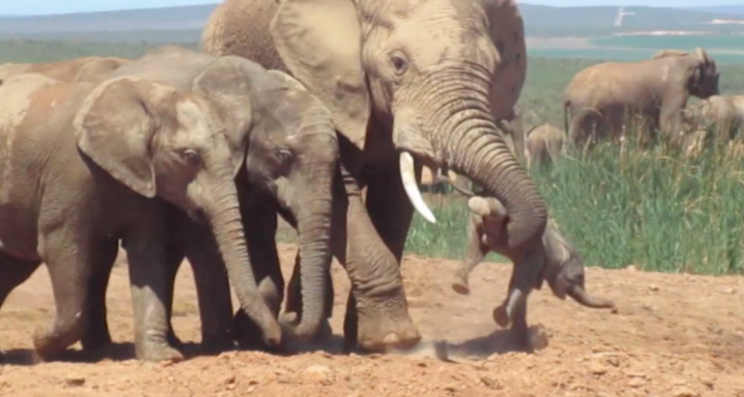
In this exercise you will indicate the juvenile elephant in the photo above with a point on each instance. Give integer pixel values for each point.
(290, 149)
(544, 144)
(564, 267)
(724, 113)
(600, 96)
(407, 82)
(85, 69)
(83, 166)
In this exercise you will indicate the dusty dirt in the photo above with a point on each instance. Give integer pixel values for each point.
(674, 335)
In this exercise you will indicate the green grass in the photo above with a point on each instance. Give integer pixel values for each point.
(639, 207)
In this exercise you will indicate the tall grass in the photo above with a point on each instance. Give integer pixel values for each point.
(620, 206)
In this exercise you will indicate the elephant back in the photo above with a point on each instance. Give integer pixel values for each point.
(241, 28)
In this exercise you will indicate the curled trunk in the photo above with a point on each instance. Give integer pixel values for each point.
(483, 156)
(225, 219)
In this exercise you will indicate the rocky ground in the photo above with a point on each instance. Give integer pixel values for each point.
(674, 335)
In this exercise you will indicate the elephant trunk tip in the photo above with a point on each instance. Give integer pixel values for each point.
(581, 296)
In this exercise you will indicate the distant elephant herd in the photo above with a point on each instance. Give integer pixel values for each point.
(291, 109)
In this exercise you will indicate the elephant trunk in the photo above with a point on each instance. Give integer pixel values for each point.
(579, 295)
(224, 215)
(313, 213)
(481, 154)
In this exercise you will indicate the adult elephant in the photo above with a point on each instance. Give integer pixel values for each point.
(408, 82)
(601, 96)
(286, 141)
(84, 69)
(85, 166)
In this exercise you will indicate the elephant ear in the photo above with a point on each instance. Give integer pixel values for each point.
(227, 84)
(115, 128)
(319, 42)
(287, 79)
(506, 30)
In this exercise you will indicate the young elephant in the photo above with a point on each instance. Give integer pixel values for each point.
(83, 166)
(564, 268)
(285, 139)
(544, 144)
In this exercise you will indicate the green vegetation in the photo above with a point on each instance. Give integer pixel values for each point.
(717, 41)
(647, 208)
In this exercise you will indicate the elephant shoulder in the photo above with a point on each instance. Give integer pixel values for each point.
(242, 28)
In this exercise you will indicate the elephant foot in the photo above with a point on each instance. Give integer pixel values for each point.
(158, 352)
(49, 345)
(501, 317)
(520, 340)
(95, 340)
(390, 328)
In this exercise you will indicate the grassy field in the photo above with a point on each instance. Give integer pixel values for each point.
(642, 208)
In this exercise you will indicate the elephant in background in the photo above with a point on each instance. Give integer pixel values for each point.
(725, 114)
(85, 69)
(284, 137)
(402, 93)
(564, 266)
(93, 164)
(600, 96)
(544, 144)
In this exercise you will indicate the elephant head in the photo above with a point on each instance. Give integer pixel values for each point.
(292, 153)
(702, 74)
(285, 138)
(436, 74)
(158, 140)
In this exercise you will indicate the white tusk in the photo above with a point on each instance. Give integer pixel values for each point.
(412, 191)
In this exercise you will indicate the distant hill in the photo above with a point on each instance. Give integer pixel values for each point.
(185, 23)
(731, 9)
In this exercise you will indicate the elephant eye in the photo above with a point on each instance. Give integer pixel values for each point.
(283, 156)
(399, 62)
(191, 157)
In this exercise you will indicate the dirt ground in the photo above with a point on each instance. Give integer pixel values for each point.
(674, 335)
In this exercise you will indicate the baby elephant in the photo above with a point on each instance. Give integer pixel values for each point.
(563, 269)
(544, 144)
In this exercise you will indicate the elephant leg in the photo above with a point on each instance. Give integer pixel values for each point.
(149, 276)
(68, 263)
(96, 334)
(260, 230)
(475, 254)
(15, 271)
(173, 258)
(382, 315)
(513, 311)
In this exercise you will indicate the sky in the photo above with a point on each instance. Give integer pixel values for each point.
(36, 7)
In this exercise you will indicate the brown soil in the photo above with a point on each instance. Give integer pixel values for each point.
(675, 335)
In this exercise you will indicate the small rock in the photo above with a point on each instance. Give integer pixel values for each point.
(708, 382)
(631, 268)
(636, 382)
(683, 391)
(490, 382)
(613, 360)
(321, 373)
(653, 288)
(730, 291)
(597, 369)
(228, 380)
(74, 380)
